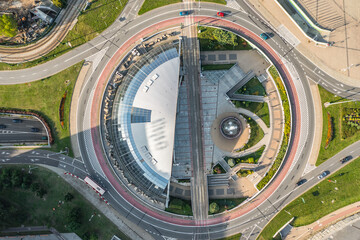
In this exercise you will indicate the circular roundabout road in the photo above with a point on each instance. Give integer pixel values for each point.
(164, 224)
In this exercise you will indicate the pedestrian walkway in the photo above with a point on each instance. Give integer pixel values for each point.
(344, 217)
(339, 60)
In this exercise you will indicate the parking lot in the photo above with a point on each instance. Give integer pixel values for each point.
(21, 130)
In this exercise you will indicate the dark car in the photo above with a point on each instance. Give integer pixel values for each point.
(323, 174)
(184, 13)
(44, 138)
(35, 129)
(2, 126)
(16, 120)
(301, 182)
(345, 159)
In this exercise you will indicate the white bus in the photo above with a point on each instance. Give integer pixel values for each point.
(94, 185)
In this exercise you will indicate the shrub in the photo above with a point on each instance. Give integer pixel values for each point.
(329, 132)
(60, 3)
(69, 197)
(231, 162)
(213, 208)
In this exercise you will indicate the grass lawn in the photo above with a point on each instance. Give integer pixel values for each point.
(100, 15)
(209, 43)
(216, 67)
(252, 87)
(36, 211)
(149, 5)
(260, 109)
(250, 158)
(214, 1)
(255, 136)
(320, 200)
(227, 204)
(179, 206)
(233, 237)
(44, 96)
(343, 134)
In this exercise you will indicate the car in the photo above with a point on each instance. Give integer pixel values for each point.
(301, 182)
(264, 36)
(323, 174)
(16, 120)
(2, 126)
(35, 129)
(220, 14)
(44, 138)
(345, 159)
(184, 13)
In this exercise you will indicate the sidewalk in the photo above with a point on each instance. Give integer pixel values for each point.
(305, 232)
(341, 61)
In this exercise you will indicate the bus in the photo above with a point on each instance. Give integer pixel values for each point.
(94, 185)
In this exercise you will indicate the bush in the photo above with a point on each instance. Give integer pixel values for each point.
(213, 208)
(329, 132)
(60, 3)
(69, 197)
(8, 26)
(231, 162)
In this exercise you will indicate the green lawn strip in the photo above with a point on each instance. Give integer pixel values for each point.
(284, 144)
(261, 109)
(256, 134)
(209, 43)
(343, 134)
(253, 87)
(44, 97)
(149, 5)
(233, 237)
(214, 1)
(216, 67)
(226, 204)
(179, 206)
(320, 200)
(255, 156)
(100, 15)
(35, 211)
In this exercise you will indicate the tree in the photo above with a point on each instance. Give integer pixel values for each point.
(26, 181)
(16, 178)
(41, 192)
(69, 197)
(213, 208)
(74, 218)
(35, 187)
(231, 162)
(8, 25)
(225, 37)
(60, 3)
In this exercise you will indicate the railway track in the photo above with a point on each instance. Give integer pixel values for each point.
(48, 42)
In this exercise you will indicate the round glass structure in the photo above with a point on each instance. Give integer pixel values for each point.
(230, 127)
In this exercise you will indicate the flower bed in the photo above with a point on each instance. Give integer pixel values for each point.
(330, 131)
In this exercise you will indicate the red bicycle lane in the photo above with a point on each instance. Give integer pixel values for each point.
(95, 113)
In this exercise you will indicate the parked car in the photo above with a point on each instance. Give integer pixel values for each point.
(2, 126)
(323, 174)
(44, 138)
(220, 14)
(17, 120)
(264, 36)
(35, 129)
(345, 159)
(301, 182)
(184, 13)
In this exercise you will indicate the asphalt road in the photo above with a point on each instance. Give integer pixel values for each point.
(251, 223)
(16, 133)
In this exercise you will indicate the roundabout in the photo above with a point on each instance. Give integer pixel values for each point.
(144, 213)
